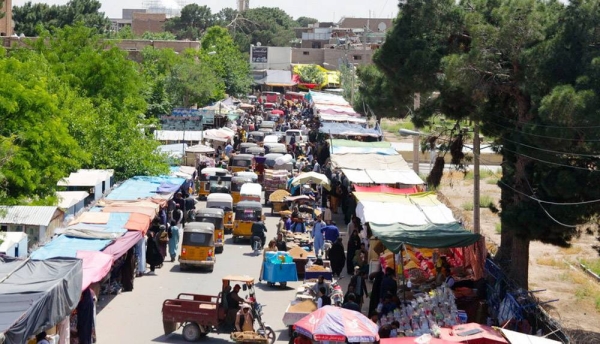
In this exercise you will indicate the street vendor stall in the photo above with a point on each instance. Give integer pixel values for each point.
(279, 267)
(277, 200)
(336, 324)
(297, 310)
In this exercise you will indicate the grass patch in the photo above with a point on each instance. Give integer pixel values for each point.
(492, 181)
(394, 126)
(551, 261)
(593, 265)
(573, 250)
(498, 228)
(483, 174)
(468, 206)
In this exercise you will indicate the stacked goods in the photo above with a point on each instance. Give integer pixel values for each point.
(278, 196)
(307, 306)
(248, 336)
(275, 179)
(316, 268)
(299, 253)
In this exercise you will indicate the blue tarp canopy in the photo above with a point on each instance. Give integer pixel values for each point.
(65, 246)
(116, 223)
(141, 187)
(348, 129)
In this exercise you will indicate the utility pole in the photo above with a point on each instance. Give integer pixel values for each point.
(476, 190)
(416, 138)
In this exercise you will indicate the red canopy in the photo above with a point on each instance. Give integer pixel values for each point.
(411, 340)
(337, 324)
(277, 112)
(95, 266)
(386, 189)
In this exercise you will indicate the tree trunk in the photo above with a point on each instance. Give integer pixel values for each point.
(519, 271)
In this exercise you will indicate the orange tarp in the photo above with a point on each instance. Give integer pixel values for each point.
(91, 217)
(138, 222)
(130, 209)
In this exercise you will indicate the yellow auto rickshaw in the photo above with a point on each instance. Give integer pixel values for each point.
(205, 174)
(241, 162)
(257, 137)
(244, 146)
(246, 213)
(220, 184)
(214, 216)
(198, 247)
(251, 192)
(236, 187)
(224, 202)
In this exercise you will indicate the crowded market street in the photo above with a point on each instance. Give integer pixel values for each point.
(135, 317)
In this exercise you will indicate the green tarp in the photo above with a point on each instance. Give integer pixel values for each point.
(427, 236)
(352, 143)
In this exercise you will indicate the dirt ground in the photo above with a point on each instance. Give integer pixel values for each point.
(574, 296)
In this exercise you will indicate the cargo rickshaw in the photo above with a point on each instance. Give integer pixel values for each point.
(246, 213)
(244, 146)
(251, 192)
(236, 185)
(251, 176)
(198, 246)
(214, 216)
(224, 202)
(200, 315)
(241, 162)
(257, 137)
(220, 184)
(205, 174)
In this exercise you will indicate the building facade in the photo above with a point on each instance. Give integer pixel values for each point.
(148, 22)
(6, 22)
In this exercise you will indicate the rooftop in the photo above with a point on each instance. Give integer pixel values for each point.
(27, 215)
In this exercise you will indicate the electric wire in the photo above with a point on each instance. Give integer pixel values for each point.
(546, 211)
(552, 151)
(548, 202)
(550, 162)
(547, 126)
(537, 135)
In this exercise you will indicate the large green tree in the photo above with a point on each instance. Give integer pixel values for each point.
(32, 118)
(220, 52)
(192, 23)
(371, 92)
(32, 18)
(304, 21)
(526, 70)
(269, 26)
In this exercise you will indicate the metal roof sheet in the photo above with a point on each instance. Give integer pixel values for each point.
(27, 215)
(67, 199)
(86, 178)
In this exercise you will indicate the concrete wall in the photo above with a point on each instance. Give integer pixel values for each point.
(278, 58)
(331, 57)
(6, 23)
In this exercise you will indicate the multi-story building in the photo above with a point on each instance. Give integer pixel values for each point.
(6, 22)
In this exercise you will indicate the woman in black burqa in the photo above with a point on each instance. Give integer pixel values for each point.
(353, 245)
(153, 256)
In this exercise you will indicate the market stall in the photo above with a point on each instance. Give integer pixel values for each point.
(336, 324)
(279, 267)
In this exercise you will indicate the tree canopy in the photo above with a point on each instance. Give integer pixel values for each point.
(526, 70)
(31, 19)
(304, 21)
(192, 22)
(70, 102)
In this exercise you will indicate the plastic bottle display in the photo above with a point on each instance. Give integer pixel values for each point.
(426, 314)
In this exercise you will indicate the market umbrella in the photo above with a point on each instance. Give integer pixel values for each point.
(312, 178)
(276, 112)
(336, 324)
(412, 340)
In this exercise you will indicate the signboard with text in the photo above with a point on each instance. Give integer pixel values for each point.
(260, 54)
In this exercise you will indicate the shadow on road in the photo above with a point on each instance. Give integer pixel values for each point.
(191, 269)
(264, 286)
(178, 338)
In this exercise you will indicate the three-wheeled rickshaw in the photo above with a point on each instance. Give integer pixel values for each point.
(220, 184)
(224, 202)
(255, 150)
(275, 147)
(241, 162)
(198, 247)
(200, 315)
(246, 213)
(244, 146)
(214, 216)
(251, 192)
(205, 174)
(257, 137)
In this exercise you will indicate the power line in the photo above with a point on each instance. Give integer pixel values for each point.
(547, 126)
(552, 151)
(546, 211)
(550, 162)
(537, 135)
(548, 202)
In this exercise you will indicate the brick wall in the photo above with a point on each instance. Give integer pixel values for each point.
(6, 28)
(148, 22)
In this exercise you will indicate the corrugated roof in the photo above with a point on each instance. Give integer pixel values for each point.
(85, 178)
(27, 215)
(177, 135)
(67, 199)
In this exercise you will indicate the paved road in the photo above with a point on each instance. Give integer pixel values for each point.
(135, 317)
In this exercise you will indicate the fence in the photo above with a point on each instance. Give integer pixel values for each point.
(518, 309)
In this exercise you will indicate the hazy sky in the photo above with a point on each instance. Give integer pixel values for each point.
(324, 10)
